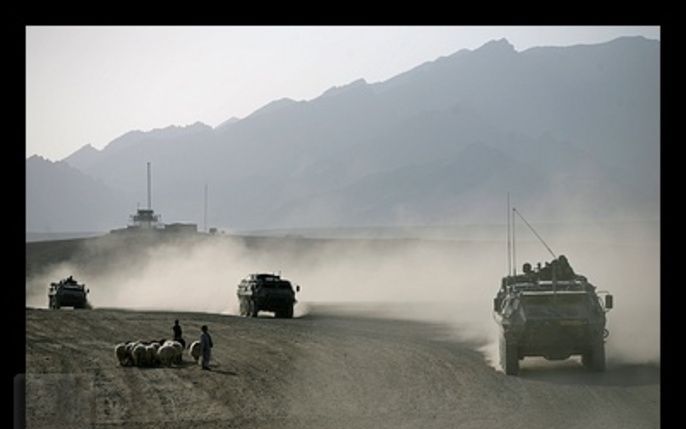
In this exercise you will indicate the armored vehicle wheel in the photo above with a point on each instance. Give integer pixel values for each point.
(594, 359)
(509, 358)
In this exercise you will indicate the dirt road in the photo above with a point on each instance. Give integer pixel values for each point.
(327, 369)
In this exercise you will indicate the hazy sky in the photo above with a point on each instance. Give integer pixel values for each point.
(93, 84)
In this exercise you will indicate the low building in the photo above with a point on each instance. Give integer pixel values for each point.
(181, 227)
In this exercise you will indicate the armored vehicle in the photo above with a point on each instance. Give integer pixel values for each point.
(67, 293)
(266, 292)
(551, 312)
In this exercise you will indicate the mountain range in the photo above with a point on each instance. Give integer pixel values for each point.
(573, 133)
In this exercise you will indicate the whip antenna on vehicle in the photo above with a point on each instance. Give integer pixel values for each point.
(509, 246)
(205, 212)
(533, 230)
(514, 248)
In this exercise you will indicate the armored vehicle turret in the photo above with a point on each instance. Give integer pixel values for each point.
(266, 292)
(67, 293)
(551, 312)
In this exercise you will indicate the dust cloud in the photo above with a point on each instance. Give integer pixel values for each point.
(447, 281)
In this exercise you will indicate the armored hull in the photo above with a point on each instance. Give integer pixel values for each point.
(68, 293)
(266, 292)
(553, 315)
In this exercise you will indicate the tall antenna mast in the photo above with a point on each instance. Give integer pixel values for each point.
(514, 247)
(205, 217)
(149, 189)
(509, 247)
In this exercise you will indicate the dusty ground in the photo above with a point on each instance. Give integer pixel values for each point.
(327, 369)
(337, 366)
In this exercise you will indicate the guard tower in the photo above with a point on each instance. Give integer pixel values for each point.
(146, 218)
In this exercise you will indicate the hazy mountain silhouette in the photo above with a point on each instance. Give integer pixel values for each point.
(61, 198)
(84, 157)
(228, 122)
(572, 132)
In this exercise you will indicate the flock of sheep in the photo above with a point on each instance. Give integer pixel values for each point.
(154, 353)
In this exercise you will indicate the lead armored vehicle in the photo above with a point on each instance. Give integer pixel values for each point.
(551, 312)
(67, 293)
(266, 292)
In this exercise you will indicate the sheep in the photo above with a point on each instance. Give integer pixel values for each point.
(123, 354)
(173, 350)
(155, 345)
(139, 354)
(194, 350)
(178, 356)
(148, 353)
(151, 354)
(166, 354)
(129, 346)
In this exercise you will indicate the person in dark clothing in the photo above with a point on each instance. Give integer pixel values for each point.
(565, 271)
(178, 333)
(206, 347)
(526, 268)
(546, 273)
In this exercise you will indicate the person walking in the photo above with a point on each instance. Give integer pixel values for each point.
(206, 347)
(178, 334)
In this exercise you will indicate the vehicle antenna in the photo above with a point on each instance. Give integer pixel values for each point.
(509, 246)
(514, 247)
(534, 231)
